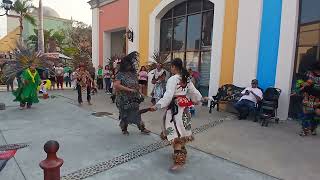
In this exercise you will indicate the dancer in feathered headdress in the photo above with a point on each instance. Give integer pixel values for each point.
(128, 97)
(25, 68)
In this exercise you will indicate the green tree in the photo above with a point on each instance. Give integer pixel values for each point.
(23, 9)
(79, 43)
(57, 37)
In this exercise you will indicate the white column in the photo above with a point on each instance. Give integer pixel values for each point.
(247, 45)
(3, 27)
(134, 16)
(106, 47)
(95, 37)
(216, 49)
(286, 55)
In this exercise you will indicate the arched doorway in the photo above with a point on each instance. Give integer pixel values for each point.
(186, 33)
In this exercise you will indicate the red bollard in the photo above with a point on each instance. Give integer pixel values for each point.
(51, 165)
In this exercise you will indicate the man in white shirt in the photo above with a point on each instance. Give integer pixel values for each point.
(250, 97)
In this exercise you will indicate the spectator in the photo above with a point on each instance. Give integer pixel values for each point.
(100, 78)
(74, 79)
(143, 80)
(52, 78)
(250, 97)
(191, 75)
(159, 81)
(66, 69)
(107, 78)
(92, 72)
(43, 76)
(67, 78)
(9, 83)
(59, 76)
(195, 77)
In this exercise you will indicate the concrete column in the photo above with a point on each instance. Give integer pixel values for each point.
(95, 37)
(247, 45)
(134, 16)
(106, 47)
(286, 54)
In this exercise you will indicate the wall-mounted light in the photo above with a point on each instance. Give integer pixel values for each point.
(7, 6)
(129, 35)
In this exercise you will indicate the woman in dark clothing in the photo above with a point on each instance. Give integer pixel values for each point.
(128, 97)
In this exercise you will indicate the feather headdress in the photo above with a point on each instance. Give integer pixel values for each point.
(160, 58)
(24, 57)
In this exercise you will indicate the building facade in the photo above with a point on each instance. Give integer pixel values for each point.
(226, 41)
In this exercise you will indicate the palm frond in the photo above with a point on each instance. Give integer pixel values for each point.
(25, 56)
(160, 58)
(22, 6)
(30, 18)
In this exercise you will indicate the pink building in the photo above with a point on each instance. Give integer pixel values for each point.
(110, 21)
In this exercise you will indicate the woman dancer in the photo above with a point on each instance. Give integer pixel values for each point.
(84, 82)
(128, 97)
(177, 121)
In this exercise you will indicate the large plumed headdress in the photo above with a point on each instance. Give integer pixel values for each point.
(131, 60)
(24, 58)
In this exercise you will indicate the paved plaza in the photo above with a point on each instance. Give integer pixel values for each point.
(224, 149)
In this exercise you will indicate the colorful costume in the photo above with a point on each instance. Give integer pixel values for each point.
(311, 104)
(27, 90)
(84, 82)
(128, 102)
(177, 121)
(159, 85)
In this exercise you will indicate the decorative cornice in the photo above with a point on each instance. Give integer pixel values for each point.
(99, 3)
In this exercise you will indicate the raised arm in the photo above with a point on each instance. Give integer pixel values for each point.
(195, 95)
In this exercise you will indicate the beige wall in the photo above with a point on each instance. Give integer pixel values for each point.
(12, 23)
(117, 42)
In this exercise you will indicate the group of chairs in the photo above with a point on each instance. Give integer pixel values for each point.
(266, 109)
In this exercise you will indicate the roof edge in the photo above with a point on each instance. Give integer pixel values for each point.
(99, 3)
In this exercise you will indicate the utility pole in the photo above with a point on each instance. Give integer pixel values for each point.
(40, 29)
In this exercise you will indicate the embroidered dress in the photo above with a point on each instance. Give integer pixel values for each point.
(311, 103)
(128, 102)
(177, 99)
(27, 91)
(159, 84)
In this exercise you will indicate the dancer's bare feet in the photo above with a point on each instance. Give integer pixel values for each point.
(146, 131)
(175, 167)
(126, 133)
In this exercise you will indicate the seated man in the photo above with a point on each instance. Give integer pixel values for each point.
(250, 97)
